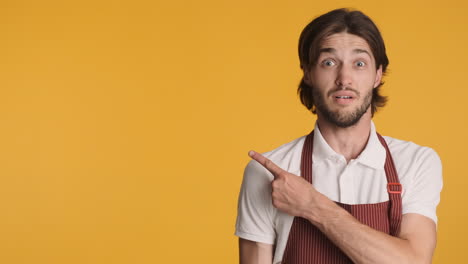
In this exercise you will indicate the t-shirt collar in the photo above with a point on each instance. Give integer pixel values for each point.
(373, 155)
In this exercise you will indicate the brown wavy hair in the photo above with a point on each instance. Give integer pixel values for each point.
(337, 21)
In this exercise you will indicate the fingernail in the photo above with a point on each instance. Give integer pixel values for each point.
(251, 153)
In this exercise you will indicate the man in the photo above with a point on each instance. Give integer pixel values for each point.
(343, 193)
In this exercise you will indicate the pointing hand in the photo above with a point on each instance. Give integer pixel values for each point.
(291, 194)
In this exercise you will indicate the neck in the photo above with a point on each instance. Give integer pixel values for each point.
(349, 141)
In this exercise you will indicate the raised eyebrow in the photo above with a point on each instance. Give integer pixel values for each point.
(332, 50)
(358, 51)
(326, 50)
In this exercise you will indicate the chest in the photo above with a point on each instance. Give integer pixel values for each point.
(351, 183)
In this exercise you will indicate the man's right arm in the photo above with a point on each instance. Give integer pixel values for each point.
(255, 218)
(251, 252)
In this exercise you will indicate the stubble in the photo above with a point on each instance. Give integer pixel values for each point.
(341, 118)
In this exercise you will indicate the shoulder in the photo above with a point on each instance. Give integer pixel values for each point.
(407, 153)
(419, 169)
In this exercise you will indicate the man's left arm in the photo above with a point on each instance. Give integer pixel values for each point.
(414, 244)
(292, 194)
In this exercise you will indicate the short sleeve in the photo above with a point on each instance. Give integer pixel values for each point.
(423, 193)
(255, 212)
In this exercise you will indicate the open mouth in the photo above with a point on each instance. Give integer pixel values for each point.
(343, 97)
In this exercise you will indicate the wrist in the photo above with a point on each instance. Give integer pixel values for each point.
(324, 212)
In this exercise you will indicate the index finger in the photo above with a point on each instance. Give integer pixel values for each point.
(268, 164)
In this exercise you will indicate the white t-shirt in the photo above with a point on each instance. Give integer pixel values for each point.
(361, 181)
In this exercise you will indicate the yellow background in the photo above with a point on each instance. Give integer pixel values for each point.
(125, 125)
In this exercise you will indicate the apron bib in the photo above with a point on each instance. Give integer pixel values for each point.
(307, 244)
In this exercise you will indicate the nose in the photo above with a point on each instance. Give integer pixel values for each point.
(344, 76)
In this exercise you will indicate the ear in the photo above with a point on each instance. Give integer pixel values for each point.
(306, 76)
(378, 77)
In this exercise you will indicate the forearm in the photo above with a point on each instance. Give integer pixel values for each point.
(362, 243)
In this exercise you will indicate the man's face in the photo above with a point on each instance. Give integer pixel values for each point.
(343, 79)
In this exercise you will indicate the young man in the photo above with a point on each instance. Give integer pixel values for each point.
(343, 193)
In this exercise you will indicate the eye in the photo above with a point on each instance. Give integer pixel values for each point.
(328, 63)
(360, 64)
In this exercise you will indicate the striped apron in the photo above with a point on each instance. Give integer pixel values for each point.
(307, 244)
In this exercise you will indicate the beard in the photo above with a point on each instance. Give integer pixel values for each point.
(338, 118)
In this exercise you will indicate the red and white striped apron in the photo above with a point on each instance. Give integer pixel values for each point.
(307, 244)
